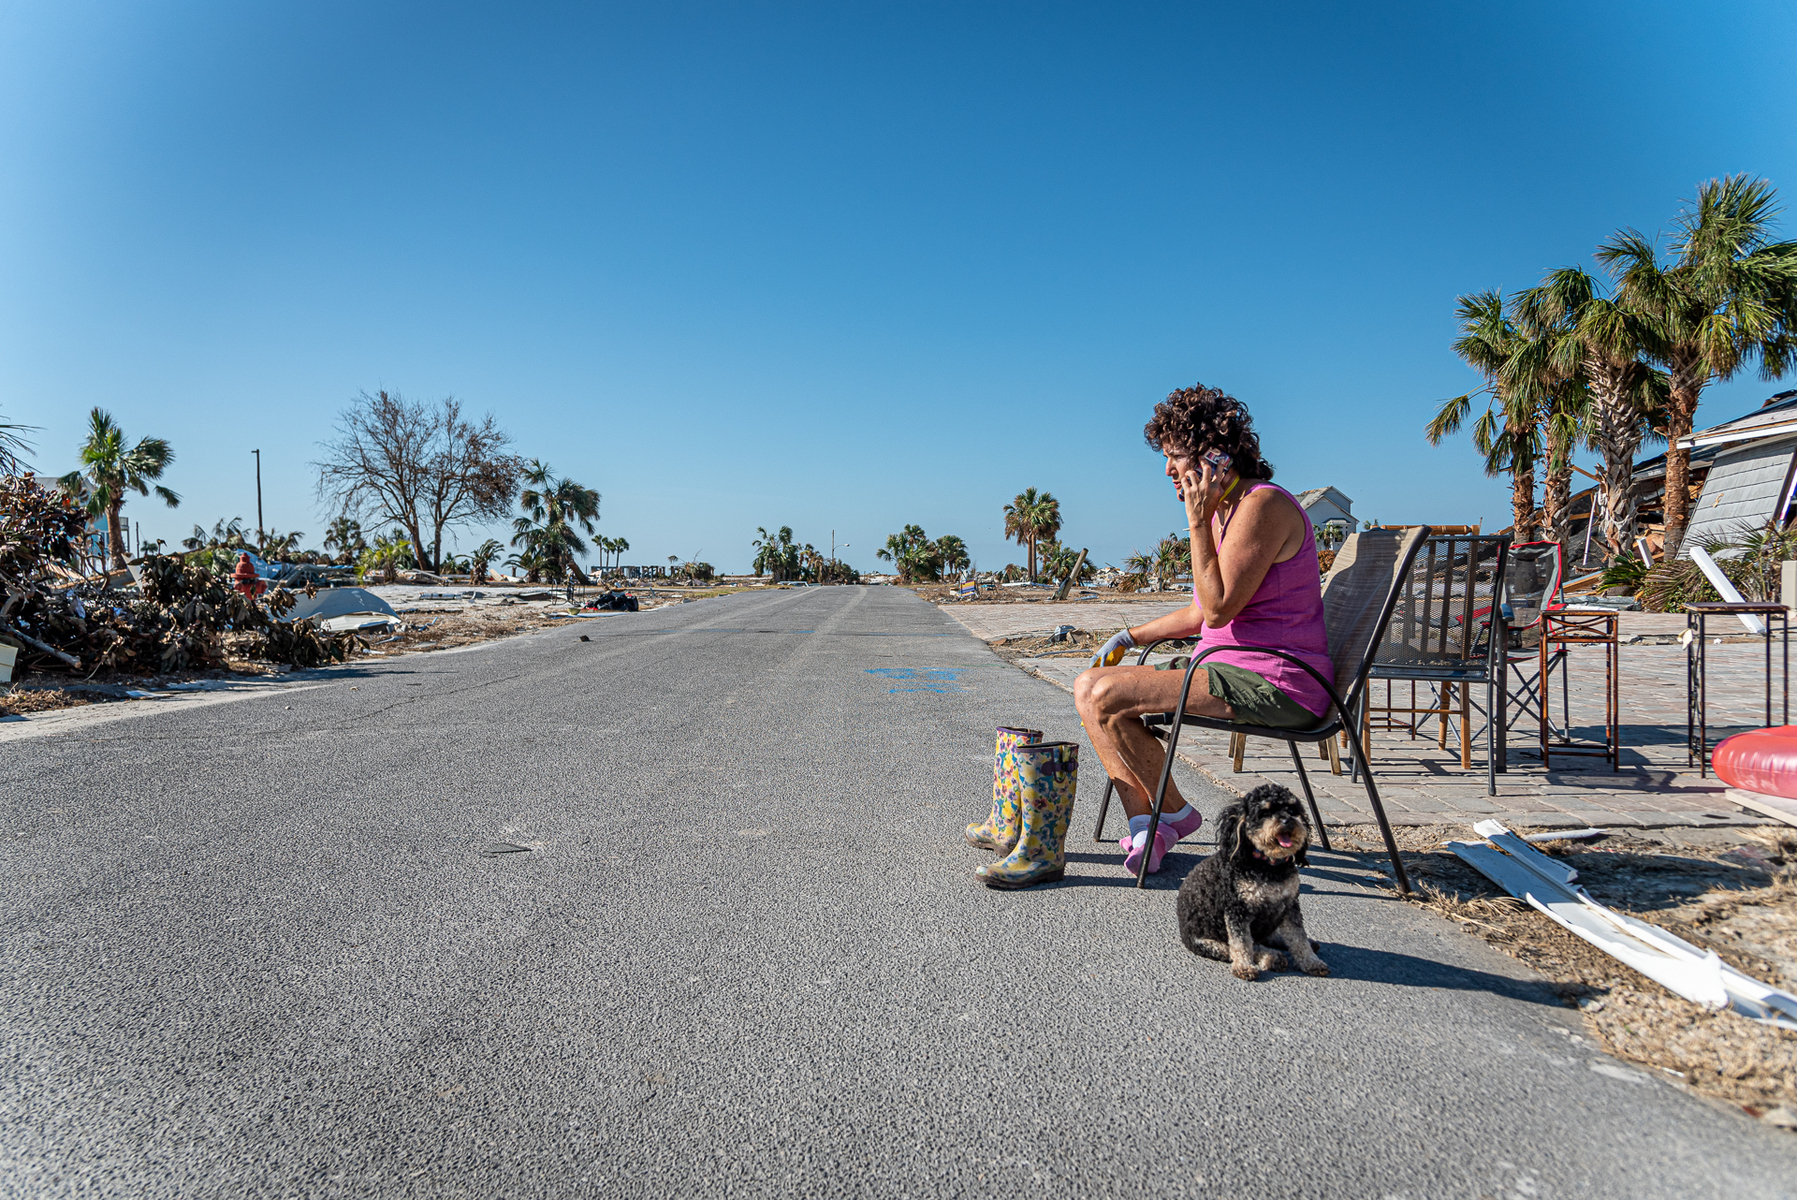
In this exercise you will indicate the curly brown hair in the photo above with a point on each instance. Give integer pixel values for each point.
(1195, 419)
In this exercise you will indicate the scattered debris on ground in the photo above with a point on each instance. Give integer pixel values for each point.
(1059, 643)
(1733, 891)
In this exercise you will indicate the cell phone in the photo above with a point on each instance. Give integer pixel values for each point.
(1218, 460)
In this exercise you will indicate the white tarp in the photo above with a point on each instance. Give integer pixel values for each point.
(338, 602)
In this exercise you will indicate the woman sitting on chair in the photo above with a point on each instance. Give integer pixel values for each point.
(1255, 582)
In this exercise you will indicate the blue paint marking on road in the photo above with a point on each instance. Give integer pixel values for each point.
(941, 680)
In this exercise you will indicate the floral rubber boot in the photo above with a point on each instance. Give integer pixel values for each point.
(998, 832)
(1048, 777)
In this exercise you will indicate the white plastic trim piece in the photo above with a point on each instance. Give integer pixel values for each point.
(1564, 835)
(1698, 975)
(1724, 588)
(1526, 854)
(1740, 435)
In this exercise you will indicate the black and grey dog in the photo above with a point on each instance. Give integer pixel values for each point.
(1246, 894)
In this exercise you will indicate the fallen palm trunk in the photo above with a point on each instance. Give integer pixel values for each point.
(1700, 976)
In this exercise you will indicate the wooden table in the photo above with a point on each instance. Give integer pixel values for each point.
(1573, 627)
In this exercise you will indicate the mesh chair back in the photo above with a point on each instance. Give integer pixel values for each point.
(1359, 593)
(1440, 624)
(1532, 581)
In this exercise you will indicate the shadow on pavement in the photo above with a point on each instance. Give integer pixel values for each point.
(1407, 970)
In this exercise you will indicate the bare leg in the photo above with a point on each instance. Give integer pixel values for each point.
(1112, 702)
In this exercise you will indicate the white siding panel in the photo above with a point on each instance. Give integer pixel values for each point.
(1742, 489)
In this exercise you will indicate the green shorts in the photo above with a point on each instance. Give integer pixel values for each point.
(1255, 700)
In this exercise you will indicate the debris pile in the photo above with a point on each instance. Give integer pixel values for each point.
(184, 615)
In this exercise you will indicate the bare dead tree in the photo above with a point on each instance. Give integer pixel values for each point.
(420, 466)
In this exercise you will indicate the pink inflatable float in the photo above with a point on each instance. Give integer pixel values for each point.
(1762, 760)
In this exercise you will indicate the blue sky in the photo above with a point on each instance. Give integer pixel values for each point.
(841, 266)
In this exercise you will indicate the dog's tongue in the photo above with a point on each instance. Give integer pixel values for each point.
(1285, 843)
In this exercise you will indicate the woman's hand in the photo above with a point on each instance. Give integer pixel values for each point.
(1112, 652)
(1201, 487)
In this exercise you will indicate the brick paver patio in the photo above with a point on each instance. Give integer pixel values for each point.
(1423, 785)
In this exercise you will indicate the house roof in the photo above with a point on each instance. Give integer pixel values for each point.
(1775, 417)
(1311, 496)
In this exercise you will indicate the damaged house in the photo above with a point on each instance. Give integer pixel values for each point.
(1741, 474)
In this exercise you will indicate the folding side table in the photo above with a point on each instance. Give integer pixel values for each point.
(1566, 627)
(1697, 741)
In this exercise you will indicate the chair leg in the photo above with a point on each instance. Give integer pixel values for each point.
(1443, 701)
(1391, 842)
(1334, 755)
(1491, 735)
(1238, 746)
(1104, 806)
(1316, 818)
(1466, 732)
(1160, 798)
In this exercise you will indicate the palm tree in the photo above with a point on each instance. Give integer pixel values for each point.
(553, 508)
(481, 561)
(12, 445)
(275, 546)
(952, 551)
(1548, 392)
(390, 552)
(1138, 568)
(1507, 433)
(114, 469)
(775, 554)
(1726, 295)
(1030, 518)
(345, 536)
(1172, 558)
(533, 565)
(1584, 331)
(912, 552)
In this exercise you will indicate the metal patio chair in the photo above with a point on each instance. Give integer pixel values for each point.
(1447, 630)
(1358, 597)
(1532, 577)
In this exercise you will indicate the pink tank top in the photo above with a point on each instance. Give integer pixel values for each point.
(1286, 613)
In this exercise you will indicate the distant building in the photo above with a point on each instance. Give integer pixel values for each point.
(1327, 506)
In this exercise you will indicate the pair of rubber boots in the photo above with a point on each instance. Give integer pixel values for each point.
(1033, 783)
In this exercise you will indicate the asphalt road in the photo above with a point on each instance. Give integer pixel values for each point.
(255, 948)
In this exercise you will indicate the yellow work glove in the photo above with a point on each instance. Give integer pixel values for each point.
(1112, 652)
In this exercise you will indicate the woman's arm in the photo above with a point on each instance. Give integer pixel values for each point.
(1188, 622)
(1261, 533)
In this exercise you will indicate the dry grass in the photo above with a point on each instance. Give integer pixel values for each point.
(23, 699)
(1734, 892)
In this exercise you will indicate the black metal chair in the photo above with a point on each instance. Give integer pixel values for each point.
(1532, 576)
(1358, 597)
(1447, 630)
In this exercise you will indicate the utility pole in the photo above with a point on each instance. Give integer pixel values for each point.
(258, 455)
